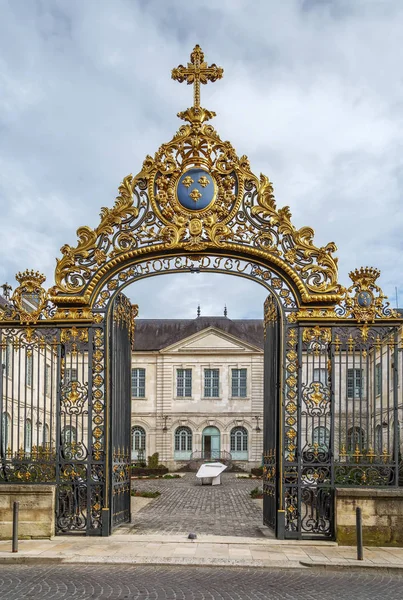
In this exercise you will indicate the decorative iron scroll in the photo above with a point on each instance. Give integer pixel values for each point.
(197, 264)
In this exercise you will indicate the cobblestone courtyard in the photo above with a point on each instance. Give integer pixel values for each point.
(185, 505)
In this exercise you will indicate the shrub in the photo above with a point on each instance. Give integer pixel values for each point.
(139, 494)
(256, 493)
(153, 461)
(257, 471)
(160, 470)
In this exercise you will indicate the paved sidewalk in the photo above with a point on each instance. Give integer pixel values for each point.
(207, 550)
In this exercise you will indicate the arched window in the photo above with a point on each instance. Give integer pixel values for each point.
(46, 434)
(183, 443)
(28, 436)
(239, 443)
(5, 431)
(355, 437)
(69, 435)
(321, 436)
(138, 443)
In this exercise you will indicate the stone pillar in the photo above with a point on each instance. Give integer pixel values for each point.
(382, 515)
(36, 512)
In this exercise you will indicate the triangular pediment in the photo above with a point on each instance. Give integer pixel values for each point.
(211, 341)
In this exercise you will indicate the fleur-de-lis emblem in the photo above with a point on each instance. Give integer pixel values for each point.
(203, 181)
(195, 195)
(187, 181)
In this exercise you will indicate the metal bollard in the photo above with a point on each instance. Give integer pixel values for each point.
(358, 519)
(16, 506)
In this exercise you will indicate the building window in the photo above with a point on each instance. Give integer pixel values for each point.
(378, 378)
(320, 375)
(9, 350)
(47, 380)
(5, 431)
(378, 439)
(183, 443)
(354, 383)
(211, 383)
(321, 437)
(355, 438)
(70, 375)
(184, 383)
(69, 435)
(28, 436)
(239, 443)
(46, 434)
(138, 443)
(138, 383)
(239, 383)
(29, 366)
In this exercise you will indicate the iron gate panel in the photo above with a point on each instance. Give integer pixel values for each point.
(271, 393)
(341, 415)
(120, 386)
(80, 430)
(52, 415)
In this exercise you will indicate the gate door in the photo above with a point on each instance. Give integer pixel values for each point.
(271, 418)
(121, 329)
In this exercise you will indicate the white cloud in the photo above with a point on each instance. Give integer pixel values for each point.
(312, 93)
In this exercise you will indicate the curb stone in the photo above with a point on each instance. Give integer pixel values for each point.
(357, 566)
(149, 560)
(201, 562)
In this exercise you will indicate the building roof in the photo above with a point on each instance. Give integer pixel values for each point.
(155, 334)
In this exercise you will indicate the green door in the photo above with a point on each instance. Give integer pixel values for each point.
(211, 443)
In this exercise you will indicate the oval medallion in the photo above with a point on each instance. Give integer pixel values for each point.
(364, 299)
(196, 189)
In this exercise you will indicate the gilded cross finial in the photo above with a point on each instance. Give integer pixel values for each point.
(197, 72)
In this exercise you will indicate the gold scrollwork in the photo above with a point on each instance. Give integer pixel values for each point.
(364, 299)
(270, 312)
(291, 393)
(29, 299)
(318, 334)
(125, 313)
(74, 335)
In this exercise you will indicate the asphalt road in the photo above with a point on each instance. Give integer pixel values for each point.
(98, 582)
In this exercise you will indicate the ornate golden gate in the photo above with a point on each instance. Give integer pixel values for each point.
(197, 206)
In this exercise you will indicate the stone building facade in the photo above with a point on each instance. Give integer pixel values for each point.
(197, 388)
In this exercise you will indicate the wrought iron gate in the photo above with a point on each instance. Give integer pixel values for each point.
(80, 476)
(52, 414)
(338, 417)
(121, 331)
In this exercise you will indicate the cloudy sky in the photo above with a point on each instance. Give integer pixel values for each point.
(312, 93)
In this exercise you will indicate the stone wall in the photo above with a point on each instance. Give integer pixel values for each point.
(36, 511)
(382, 516)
